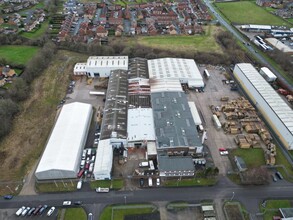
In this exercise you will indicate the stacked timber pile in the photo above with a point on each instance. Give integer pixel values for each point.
(247, 141)
(232, 127)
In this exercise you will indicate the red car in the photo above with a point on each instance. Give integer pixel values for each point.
(222, 149)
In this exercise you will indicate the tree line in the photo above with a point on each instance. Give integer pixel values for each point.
(20, 88)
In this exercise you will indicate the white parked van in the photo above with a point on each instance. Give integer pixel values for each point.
(79, 184)
(150, 181)
(20, 210)
(89, 152)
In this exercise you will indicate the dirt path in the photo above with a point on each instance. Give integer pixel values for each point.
(29, 184)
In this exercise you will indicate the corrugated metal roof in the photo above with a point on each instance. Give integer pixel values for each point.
(277, 104)
(140, 125)
(175, 163)
(115, 111)
(174, 124)
(138, 68)
(63, 149)
(107, 61)
(173, 68)
(104, 160)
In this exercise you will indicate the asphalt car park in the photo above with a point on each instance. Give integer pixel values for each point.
(9, 214)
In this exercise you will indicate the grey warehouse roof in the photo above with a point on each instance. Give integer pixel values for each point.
(175, 163)
(115, 111)
(174, 124)
(138, 68)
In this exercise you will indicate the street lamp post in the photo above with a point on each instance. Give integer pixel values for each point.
(232, 196)
(9, 189)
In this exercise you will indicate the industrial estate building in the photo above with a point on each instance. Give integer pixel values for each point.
(101, 66)
(61, 158)
(183, 70)
(273, 108)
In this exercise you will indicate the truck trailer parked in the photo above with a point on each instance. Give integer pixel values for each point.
(217, 122)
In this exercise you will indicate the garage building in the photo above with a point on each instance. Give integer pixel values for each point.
(61, 158)
(273, 108)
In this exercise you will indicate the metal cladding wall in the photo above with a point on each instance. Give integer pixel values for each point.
(273, 108)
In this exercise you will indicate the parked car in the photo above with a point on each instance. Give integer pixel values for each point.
(279, 175)
(25, 211)
(31, 211)
(222, 149)
(43, 209)
(77, 202)
(90, 216)
(50, 212)
(19, 211)
(274, 178)
(8, 197)
(141, 182)
(37, 209)
(158, 182)
(66, 203)
(79, 184)
(224, 153)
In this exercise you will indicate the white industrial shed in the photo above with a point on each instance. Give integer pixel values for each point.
(272, 107)
(61, 158)
(184, 70)
(101, 66)
(104, 160)
(140, 126)
(194, 113)
(80, 69)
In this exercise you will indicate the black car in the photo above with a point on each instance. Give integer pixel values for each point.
(77, 202)
(37, 209)
(279, 175)
(8, 197)
(141, 182)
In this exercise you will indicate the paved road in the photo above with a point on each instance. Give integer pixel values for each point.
(251, 49)
(250, 196)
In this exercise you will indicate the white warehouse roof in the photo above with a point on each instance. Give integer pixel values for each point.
(165, 85)
(140, 125)
(184, 70)
(80, 67)
(61, 157)
(108, 61)
(104, 160)
(270, 98)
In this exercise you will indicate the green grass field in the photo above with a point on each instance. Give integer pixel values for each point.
(272, 206)
(119, 211)
(56, 187)
(191, 182)
(196, 43)
(281, 160)
(38, 33)
(252, 157)
(73, 213)
(17, 54)
(247, 12)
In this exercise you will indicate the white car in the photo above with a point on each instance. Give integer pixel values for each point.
(25, 211)
(158, 181)
(20, 210)
(67, 203)
(224, 153)
(50, 212)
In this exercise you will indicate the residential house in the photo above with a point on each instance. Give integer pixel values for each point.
(101, 31)
(119, 30)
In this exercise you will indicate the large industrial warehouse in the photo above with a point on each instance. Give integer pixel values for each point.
(273, 108)
(184, 70)
(61, 158)
(101, 66)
